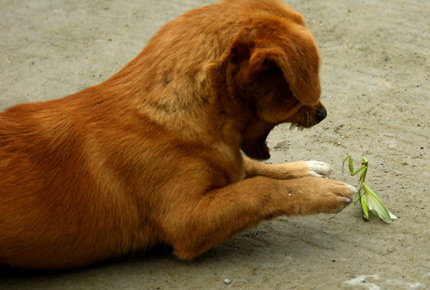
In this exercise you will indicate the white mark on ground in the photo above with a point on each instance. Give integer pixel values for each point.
(362, 281)
(405, 285)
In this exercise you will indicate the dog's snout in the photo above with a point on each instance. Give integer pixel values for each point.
(321, 114)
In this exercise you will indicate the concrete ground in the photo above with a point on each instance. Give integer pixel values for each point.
(375, 80)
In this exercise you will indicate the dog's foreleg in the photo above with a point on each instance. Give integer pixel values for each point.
(210, 218)
(289, 170)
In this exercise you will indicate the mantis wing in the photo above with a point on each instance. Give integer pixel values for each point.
(364, 207)
(376, 206)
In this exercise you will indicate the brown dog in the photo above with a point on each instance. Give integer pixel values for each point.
(153, 154)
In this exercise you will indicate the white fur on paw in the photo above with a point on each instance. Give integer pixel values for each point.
(319, 169)
(353, 189)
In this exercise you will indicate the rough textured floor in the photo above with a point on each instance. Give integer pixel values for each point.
(375, 80)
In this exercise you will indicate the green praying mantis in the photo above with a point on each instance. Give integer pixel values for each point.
(367, 197)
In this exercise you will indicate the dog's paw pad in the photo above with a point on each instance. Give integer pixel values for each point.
(319, 169)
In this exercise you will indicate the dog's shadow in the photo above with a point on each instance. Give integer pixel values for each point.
(158, 252)
(260, 244)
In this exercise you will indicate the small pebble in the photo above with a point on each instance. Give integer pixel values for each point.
(227, 281)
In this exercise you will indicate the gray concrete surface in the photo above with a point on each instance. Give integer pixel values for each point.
(375, 80)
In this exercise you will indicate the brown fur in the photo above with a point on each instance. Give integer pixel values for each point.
(152, 155)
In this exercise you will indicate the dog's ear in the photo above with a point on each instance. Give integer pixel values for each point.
(295, 56)
(300, 70)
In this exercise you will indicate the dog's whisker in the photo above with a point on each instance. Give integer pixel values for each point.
(308, 119)
(293, 126)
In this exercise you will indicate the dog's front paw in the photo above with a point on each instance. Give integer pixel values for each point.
(318, 169)
(310, 195)
(334, 196)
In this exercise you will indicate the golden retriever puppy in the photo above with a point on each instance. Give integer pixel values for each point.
(153, 154)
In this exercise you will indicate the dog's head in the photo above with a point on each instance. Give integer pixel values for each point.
(274, 65)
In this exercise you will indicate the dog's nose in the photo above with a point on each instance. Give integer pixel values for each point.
(321, 114)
